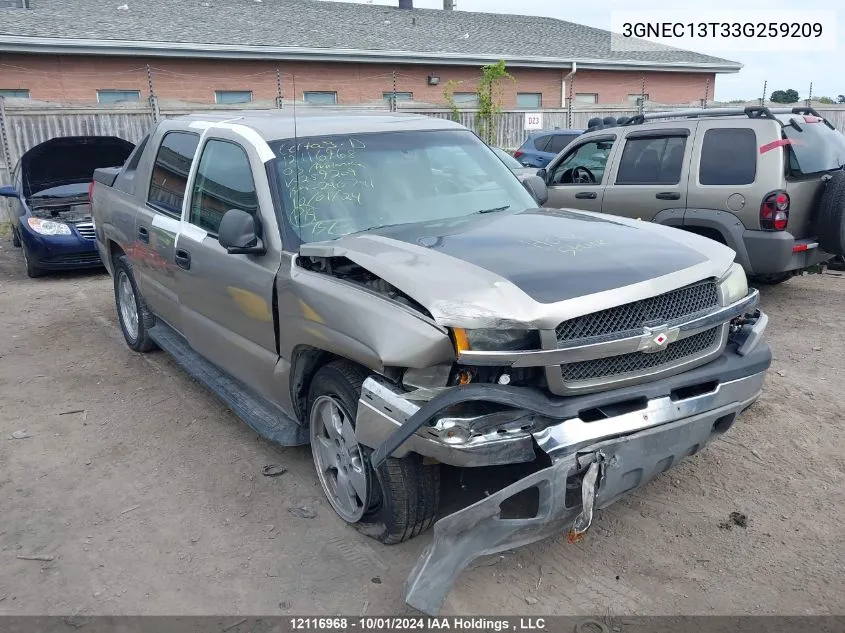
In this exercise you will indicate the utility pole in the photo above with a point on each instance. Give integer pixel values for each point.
(279, 98)
(763, 98)
(153, 99)
(706, 93)
(393, 97)
(642, 95)
(810, 95)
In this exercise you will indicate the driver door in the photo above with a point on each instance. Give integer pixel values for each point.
(227, 299)
(576, 179)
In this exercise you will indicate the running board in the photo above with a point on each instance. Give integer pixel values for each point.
(262, 416)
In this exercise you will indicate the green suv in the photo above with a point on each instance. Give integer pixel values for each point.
(767, 182)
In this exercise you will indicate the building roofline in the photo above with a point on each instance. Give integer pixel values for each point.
(50, 45)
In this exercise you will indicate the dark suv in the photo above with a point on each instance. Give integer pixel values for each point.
(767, 182)
(541, 147)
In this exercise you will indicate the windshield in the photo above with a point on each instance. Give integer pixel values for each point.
(816, 148)
(507, 159)
(335, 185)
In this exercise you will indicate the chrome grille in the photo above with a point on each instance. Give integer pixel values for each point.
(695, 345)
(632, 317)
(86, 230)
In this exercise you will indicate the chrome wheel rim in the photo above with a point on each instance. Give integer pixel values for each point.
(126, 304)
(338, 458)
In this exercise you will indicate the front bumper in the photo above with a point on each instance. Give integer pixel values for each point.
(60, 252)
(603, 444)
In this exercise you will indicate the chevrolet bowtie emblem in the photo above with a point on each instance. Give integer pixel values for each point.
(657, 339)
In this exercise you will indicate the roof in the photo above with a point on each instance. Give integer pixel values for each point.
(312, 30)
(279, 124)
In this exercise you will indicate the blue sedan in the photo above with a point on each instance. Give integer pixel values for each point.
(50, 209)
(541, 147)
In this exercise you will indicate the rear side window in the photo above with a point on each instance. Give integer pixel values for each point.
(814, 148)
(559, 141)
(170, 172)
(540, 143)
(728, 157)
(135, 157)
(224, 181)
(652, 161)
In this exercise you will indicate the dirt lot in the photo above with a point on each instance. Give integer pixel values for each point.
(149, 495)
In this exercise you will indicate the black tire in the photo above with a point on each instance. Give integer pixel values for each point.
(404, 494)
(830, 224)
(32, 270)
(772, 279)
(139, 341)
(16, 240)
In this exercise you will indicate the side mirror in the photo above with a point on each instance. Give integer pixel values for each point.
(8, 191)
(238, 234)
(542, 174)
(536, 186)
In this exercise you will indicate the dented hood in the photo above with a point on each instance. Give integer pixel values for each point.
(532, 268)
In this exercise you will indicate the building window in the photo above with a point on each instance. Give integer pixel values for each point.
(466, 99)
(14, 93)
(320, 98)
(636, 97)
(529, 99)
(587, 97)
(113, 96)
(232, 96)
(400, 96)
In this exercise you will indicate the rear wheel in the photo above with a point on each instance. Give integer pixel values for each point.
(392, 505)
(135, 319)
(32, 270)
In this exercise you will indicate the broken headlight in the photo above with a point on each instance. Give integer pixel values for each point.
(48, 227)
(734, 285)
(489, 340)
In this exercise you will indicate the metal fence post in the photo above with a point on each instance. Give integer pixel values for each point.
(154, 109)
(7, 154)
(279, 98)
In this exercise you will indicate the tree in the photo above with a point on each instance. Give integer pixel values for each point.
(826, 100)
(840, 99)
(449, 96)
(488, 99)
(784, 96)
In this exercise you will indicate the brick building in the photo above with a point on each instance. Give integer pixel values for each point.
(236, 51)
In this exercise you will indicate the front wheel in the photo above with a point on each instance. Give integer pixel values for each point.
(32, 270)
(392, 505)
(16, 240)
(135, 319)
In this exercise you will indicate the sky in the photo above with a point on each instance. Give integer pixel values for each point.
(782, 69)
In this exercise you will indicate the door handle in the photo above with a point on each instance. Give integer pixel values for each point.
(183, 259)
(668, 195)
(586, 195)
(143, 235)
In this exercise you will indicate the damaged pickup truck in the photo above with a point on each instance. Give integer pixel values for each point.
(329, 280)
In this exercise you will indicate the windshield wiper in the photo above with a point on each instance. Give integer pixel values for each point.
(494, 209)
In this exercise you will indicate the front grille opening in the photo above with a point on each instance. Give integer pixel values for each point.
(692, 391)
(612, 410)
(691, 346)
(631, 318)
(525, 504)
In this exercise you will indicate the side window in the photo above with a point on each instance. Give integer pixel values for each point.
(224, 181)
(583, 165)
(652, 161)
(559, 141)
(540, 143)
(728, 157)
(170, 172)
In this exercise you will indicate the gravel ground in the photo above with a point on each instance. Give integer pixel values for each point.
(146, 494)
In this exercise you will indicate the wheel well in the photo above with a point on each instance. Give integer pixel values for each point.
(114, 250)
(706, 231)
(305, 363)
